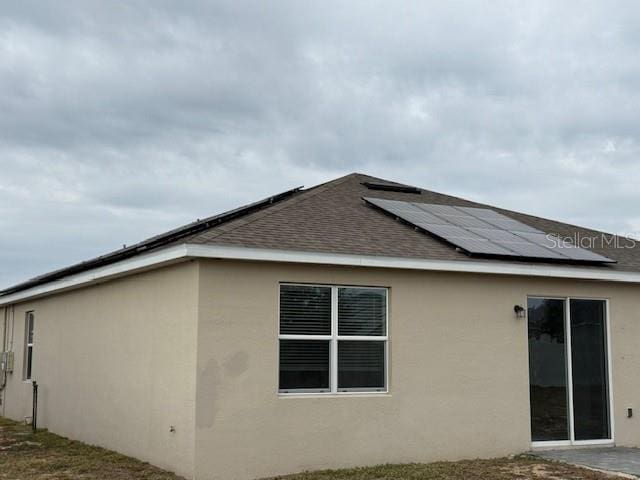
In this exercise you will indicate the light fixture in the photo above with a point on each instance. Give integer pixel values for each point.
(520, 311)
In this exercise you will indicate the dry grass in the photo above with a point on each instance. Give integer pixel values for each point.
(521, 467)
(43, 455)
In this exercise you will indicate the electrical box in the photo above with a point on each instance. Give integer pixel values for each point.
(6, 362)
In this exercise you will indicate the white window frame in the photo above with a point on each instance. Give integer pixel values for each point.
(333, 339)
(572, 442)
(27, 369)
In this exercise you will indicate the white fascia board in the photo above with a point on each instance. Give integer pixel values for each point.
(123, 267)
(464, 266)
(182, 252)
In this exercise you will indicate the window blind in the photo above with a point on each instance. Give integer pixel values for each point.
(362, 311)
(361, 364)
(304, 364)
(305, 310)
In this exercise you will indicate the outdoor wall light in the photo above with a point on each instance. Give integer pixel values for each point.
(520, 311)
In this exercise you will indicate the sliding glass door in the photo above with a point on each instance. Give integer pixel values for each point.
(568, 370)
(589, 370)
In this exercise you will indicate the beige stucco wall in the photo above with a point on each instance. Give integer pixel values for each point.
(116, 365)
(458, 378)
(194, 345)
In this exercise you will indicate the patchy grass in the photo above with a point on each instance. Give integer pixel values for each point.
(522, 467)
(43, 455)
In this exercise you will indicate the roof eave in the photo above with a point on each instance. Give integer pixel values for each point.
(183, 252)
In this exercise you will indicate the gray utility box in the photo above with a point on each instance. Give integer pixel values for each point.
(6, 362)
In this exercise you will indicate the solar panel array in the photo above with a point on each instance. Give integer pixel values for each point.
(483, 231)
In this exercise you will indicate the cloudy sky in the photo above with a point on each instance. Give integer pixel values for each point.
(119, 120)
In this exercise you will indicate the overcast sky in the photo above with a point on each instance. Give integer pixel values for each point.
(119, 120)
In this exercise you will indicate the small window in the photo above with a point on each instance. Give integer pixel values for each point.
(28, 344)
(332, 339)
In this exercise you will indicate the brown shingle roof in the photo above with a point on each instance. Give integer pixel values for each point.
(333, 218)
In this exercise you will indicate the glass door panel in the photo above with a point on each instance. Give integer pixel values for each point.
(589, 370)
(548, 370)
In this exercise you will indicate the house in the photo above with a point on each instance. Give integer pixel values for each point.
(356, 322)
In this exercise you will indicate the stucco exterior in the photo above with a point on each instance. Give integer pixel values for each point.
(115, 364)
(459, 385)
(194, 345)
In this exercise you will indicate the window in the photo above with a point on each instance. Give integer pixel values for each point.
(332, 339)
(28, 344)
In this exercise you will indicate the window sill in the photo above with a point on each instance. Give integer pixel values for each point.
(335, 395)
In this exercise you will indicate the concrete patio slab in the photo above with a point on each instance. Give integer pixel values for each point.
(617, 459)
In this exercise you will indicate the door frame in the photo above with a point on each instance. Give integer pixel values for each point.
(568, 347)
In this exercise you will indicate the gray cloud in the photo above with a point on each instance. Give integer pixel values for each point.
(118, 121)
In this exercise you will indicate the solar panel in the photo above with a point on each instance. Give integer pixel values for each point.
(531, 250)
(481, 212)
(481, 247)
(396, 206)
(512, 225)
(483, 231)
(451, 231)
(466, 221)
(498, 220)
(441, 209)
(565, 248)
(582, 254)
(496, 235)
